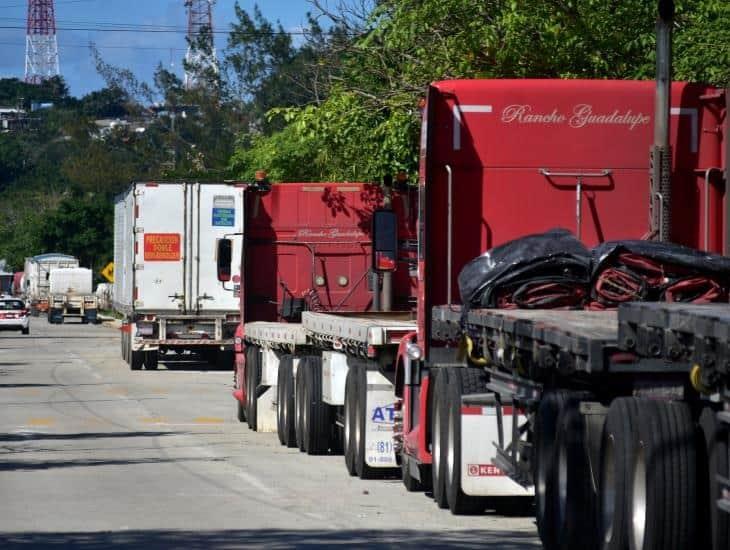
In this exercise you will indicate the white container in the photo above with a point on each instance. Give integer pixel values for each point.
(165, 237)
(74, 281)
(37, 273)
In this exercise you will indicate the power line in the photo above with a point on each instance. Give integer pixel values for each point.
(102, 47)
(161, 30)
(59, 2)
(104, 23)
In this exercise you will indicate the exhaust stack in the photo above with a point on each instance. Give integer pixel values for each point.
(661, 151)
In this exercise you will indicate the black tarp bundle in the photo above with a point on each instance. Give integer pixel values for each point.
(639, 271)
(546, 270)
(555, 270)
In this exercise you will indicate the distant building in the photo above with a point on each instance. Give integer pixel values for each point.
(107, 126)
(13, 119)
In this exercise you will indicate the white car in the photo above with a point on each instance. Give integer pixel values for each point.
(14, 315)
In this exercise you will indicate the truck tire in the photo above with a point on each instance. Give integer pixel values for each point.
(136, 359)
(128, 348)
(712, 460)
(299, 403)
(285, 402)
(315, 412)
(462, 381)
(575, 504)
(240, 411)
(25, 331)
(150, 359)
(348, 436)
(662, 494)
(362, 469)
(411, 484)
(617, 454)
(551, 406)
(253, 377)
(438, 447)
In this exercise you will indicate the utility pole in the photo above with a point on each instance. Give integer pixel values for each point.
(41, 46)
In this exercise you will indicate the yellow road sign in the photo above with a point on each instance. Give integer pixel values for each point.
(108, 272)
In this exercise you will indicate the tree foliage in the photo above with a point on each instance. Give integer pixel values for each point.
(368, 124)
(338, 101)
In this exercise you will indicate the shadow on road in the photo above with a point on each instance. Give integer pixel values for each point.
(191, 363)
(273, 538)
(29, 465)
(35, 436)
(56, 337)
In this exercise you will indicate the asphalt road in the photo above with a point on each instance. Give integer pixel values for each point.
(95, 456)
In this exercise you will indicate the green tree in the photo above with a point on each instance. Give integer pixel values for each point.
(405, 44)
(81, 226)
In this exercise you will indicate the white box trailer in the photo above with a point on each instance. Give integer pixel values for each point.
(37, 275)
(165, 281)
(70, 295)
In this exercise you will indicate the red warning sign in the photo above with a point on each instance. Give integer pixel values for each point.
(162, 247)
(483, 470)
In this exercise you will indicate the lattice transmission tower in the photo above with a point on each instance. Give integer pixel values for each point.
(201, 65)
(41, 46)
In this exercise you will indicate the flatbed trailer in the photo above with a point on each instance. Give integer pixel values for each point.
(340, 368)
(68, 306)
(580, 374)
(698, 335)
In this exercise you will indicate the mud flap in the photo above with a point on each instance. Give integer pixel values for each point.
(479, 434)
(379, 452)
(269, 367)
(266, 410)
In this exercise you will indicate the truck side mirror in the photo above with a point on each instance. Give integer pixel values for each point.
(224, 256)
(385, 240)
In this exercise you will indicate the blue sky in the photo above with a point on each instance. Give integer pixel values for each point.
(140, 52)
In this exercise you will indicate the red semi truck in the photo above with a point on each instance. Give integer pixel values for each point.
(499, 159)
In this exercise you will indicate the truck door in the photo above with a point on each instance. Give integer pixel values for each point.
(160, 247)
(216, 212)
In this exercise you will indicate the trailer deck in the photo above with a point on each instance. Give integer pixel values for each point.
(370, 328)
(567, 339)
(266, 334)
(696, 333)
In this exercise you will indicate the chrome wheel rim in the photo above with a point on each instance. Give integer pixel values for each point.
(562, 483)
(638, 498)
(450, 449)
(608, 489)
(348, 415)
(436, 451)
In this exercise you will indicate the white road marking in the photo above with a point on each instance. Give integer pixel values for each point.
(256, 483)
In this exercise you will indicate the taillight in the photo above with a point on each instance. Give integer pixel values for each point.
(384, 262)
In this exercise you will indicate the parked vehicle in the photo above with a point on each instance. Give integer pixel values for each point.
(491, 404)
(6, 283)
(36, 279)
(18, 284)
(165, 283)
(14, 315)
(71, 296)
(306, 302)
